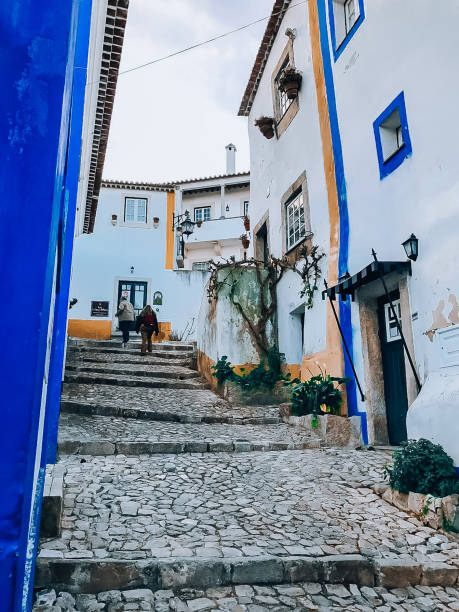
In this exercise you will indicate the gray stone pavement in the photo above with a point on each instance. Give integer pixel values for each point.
(311, 502)
(94, 428)
(220, 511)
(259, 598)
(192, 405)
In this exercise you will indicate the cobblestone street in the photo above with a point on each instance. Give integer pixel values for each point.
(173, 485)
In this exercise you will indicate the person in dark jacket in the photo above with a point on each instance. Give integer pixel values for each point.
(125, 316)
(147, 324)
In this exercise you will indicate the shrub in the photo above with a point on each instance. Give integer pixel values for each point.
(309, 396)
(223, 370)
(422, 467)
(267, 373)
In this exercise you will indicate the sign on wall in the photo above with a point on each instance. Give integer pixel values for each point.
(99, 309)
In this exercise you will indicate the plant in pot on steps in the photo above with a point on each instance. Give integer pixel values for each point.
(290, 82)
(266, 126)
(317, 396)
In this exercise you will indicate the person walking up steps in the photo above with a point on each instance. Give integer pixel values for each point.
(125, 316)
(147, 323)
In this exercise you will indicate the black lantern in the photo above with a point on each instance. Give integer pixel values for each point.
(411, 247)
(187, 224)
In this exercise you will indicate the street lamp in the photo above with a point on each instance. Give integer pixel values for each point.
(187, 225)
(182, 223)
(411, 247)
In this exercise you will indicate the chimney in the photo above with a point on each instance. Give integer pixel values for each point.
(230, 159)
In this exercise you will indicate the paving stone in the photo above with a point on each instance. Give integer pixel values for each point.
(177, 488)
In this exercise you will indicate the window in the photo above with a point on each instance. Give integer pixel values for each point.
(135, 210)
(345, 18)
(294, 220)
(200, 266)
(393, 144)
(246, 208)
(202, 213)
(392, 332)
(349, 15)
(282, 99)
(284, 109)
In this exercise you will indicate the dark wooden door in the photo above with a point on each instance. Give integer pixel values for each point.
(393, 360)
(136, 293)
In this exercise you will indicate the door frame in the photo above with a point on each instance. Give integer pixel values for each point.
(367, 298)
(127, 278)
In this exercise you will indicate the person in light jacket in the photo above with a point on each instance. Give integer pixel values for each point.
(147, 324)
(125, 316)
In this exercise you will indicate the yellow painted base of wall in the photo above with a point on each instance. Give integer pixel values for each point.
(96, 330)
(102, 330)
(164, 332)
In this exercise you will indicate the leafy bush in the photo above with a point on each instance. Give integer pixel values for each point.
(267, 373)
(223, 370)
(309, 396)
(422, 467)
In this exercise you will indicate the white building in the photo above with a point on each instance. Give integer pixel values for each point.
(217, 206)
(133, 250)
(364, 157)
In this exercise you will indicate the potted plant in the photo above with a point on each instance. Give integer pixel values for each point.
(290, 82)
(245, 241)
(246, 223)
(266, 126)
(198, 223)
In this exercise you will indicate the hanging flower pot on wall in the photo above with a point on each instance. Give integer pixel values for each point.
(246, 223)
(290, 82)
(245, 241)
(266, 126)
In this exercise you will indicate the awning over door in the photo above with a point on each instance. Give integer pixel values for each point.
(348, 285)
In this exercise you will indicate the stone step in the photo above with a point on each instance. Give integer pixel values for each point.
(291, 596)
(134, 341)
(94, 576)
(114, 358)
(100, 435)
(150, 370)
(89, 408)
(52, 504)
(132, 381)
(156, 352)
(132, 448)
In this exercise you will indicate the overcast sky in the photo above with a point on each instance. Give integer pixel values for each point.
(172, 120)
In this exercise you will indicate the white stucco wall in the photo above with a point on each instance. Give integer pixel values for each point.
(275, 165)
(218, 238)
(105, 257)
(398, 47)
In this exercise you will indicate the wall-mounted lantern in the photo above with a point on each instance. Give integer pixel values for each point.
(227, 208)
(187, 225)
(411, 247)
(132, 269)
(114, 219)
(156, 222)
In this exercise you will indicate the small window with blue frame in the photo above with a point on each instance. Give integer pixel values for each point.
(393, 143)
(345, 18)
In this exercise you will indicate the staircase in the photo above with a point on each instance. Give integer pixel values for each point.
(174, 499)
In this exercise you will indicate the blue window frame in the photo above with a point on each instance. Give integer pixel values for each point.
(345, 17)
(393, 143)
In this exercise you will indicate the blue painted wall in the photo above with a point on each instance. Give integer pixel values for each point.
(344, 306)
(37, 107)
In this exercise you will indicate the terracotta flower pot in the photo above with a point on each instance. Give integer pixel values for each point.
(155, 219)
(198, 223)
(267, 131)
(246, 224)
(291, 89)
(245, 243)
